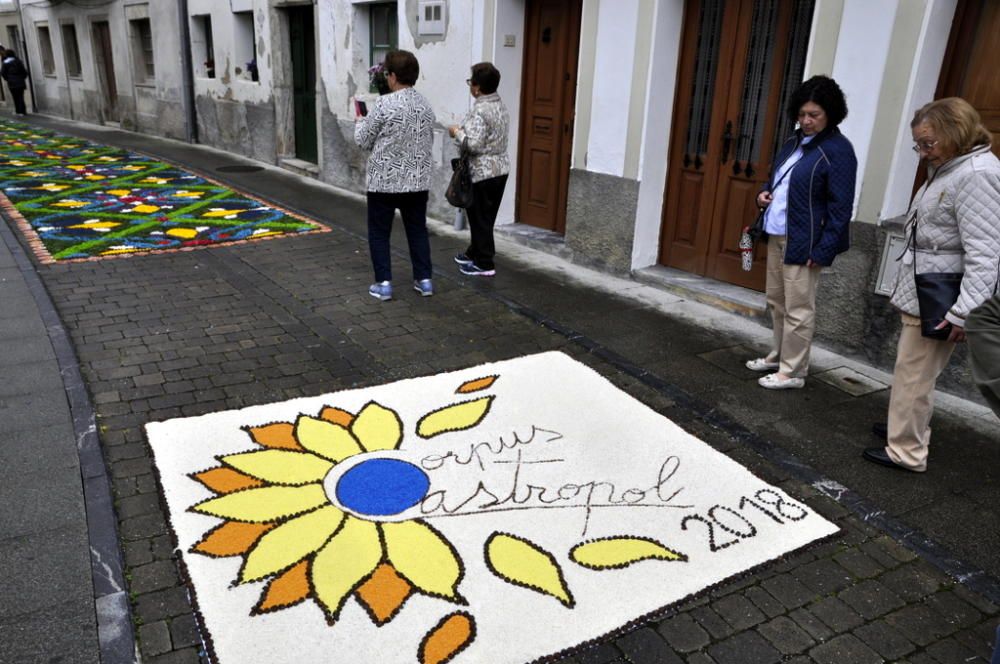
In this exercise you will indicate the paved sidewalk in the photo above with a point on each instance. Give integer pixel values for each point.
(60, 561)
(197, 332)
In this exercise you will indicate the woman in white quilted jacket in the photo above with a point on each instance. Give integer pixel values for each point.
(953, 226)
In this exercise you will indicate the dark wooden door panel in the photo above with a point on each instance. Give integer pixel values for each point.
(549, 92)
(739, 61)
(301, 28)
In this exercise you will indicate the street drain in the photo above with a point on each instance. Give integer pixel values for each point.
(239, 168)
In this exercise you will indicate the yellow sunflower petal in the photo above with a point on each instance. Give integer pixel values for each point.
(423, 557)
(346, 561)
(456, 417)
(450, 636)
(290, 542)
(617, 552)
(267, 503)
(525, 564)
(377, 428)
(330, 441)
(280, 466)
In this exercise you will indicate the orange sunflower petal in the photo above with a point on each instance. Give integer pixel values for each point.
(285, 590)
(226, 480)
(448, 638)
(476, 385)
(232, 538)
(280, 435)
(337, 416)
(384, 593)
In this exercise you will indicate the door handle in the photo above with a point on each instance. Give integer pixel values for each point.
(727, 140)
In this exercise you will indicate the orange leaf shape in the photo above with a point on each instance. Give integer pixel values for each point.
(448, 638)
(231, 538)
(476, 385)
(384, 593)
(286, 590)
(280, 435)
(226, 480)
(337, 416)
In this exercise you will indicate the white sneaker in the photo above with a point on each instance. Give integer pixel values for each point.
(772, 382)
(761, 364)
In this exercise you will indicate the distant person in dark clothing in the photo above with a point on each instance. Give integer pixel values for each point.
(14, 72)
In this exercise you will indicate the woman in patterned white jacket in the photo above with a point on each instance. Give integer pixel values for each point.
(399, 131)
(484, 133)
(957, 217)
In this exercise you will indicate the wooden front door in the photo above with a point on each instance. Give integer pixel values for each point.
(740, 61)
(106, 69)
(970, 67)
(303, 43)
(548, 96)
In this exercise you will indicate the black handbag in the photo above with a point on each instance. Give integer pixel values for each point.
(459, 192)
(936, 293)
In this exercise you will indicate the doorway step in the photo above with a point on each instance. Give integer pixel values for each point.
(739, 300)
(300, 167)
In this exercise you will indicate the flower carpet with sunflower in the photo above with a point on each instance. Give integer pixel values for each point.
(78, 200)
(508, 512)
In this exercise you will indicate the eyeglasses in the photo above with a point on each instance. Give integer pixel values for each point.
(468, 81)
(924, 146)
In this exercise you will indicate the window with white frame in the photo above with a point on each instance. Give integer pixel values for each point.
(202, 46)
(71, 50)
(244, 46)
(141, 36)
(45, 50)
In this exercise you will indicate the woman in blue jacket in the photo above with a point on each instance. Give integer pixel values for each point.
(809, 201)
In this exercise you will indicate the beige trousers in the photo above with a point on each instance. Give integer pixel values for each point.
(791, 294)
(919, 361)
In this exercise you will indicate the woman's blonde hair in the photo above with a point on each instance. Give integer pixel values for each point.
(956, 123)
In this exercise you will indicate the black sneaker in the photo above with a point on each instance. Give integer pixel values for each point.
(462, 259)
(474, 270)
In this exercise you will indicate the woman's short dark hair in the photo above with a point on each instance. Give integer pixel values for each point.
(404, 65)
(486, 76)
(825, 93)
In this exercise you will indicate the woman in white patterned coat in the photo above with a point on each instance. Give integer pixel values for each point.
(484, 132)
(953, 226)
(399, 131)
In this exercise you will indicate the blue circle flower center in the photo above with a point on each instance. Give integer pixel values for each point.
(382, 487)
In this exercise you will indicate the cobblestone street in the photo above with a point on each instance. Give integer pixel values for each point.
(195, 332)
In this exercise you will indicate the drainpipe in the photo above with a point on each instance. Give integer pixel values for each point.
(187, 74)
(24, 56)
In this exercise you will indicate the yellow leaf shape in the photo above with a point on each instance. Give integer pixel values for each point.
(188, 194)
(182, 233)
(618, 552)
(69, 204)
(424, 557)
(280, 466)
(476, 385)
(95, 177)
(97, 224)
(221, 213)
(346, 561)
(119, 192)
(330, 441)
(265, 504)
(450, 636)
(456, 417)
(525, 564)
(290, 542)
(377, 428)
(146, 209)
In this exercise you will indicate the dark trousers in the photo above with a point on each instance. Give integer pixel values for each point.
(486, 197)
(412, 207)
(18, 95)
(982, 332)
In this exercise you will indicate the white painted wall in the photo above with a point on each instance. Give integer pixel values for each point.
(859, 65)
(661, 88)
(615, 58)
(924, 77)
